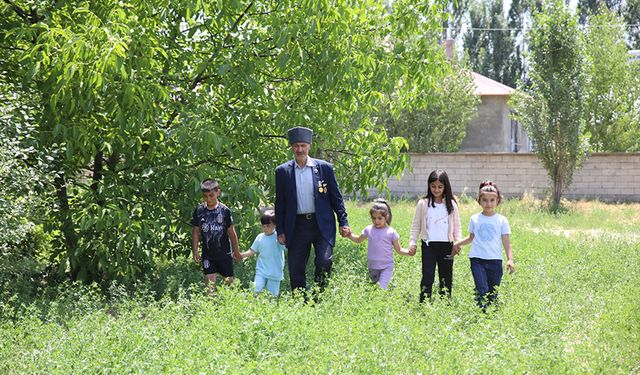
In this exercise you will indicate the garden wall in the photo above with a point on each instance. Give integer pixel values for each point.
(604, 176)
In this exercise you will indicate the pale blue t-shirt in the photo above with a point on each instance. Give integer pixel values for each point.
(487, 231)
(380, 246)
(270, 263)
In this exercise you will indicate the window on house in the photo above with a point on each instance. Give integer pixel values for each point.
(515, 136)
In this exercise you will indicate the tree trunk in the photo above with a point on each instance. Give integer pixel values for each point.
(556, 193)
(98, 166)
(70, 237)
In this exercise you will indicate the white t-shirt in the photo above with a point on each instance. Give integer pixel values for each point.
(437, 222)
(487, 231)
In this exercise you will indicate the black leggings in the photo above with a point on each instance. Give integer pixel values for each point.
(440, 253)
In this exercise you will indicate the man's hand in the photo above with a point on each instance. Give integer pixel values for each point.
(282, 239)
(196, 257)
(345, 231)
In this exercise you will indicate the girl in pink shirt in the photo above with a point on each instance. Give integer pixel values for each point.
(382, 240)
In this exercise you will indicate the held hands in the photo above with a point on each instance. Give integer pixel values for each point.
(455, 249)
(282, 239)
(345, 231)
(408, 251)
(411, 251)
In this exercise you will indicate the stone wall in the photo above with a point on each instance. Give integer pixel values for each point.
(604, 176)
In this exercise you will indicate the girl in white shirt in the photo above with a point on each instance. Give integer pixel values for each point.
(488, 234)
(437, 224)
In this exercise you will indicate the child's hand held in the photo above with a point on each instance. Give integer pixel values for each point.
(455, 250)
(412, 250)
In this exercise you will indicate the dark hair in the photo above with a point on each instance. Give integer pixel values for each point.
(209, 185)
(381, 205)
(441, 176)
(488, 186)
(268, 217)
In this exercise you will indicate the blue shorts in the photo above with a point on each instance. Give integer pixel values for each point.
(272, 285)
(223, 266)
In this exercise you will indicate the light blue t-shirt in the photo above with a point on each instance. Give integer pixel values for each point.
(487, 231)
(270, 263)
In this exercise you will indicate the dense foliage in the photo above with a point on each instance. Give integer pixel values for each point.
(442, 125)
(627, 10)
(130, 104)
(496, 44)
(571, 307)
(612, 103)
(490, 45)
(551, 107)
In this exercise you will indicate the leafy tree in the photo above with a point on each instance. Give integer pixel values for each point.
(21, 201)
(551, 109)
(454, 22)
(441, 126)
(586, 8)
(488, 43)
(631, 14)
(22, 176)
(612, 93)
(135, 102)
(518, 18)
(18, 199)
(629, 10)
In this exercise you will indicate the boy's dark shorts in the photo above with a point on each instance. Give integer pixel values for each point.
(223, 266)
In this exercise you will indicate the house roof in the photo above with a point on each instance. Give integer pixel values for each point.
(485, 86)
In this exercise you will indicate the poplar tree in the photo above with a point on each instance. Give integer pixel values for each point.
(551, 108)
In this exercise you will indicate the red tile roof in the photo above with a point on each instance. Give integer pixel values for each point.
(487, 87)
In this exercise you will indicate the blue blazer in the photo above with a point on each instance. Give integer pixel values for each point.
(327, 202)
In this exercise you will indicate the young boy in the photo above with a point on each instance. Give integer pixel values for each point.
(212, 222)
(270, 264)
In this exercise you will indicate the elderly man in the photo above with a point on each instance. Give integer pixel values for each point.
(307, 196)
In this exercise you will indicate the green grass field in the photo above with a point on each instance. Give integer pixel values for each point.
(571, 307)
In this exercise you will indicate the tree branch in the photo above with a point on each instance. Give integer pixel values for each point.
(340, 152)
(234, 27)
(273, 78)
(12, 48)
(211, 161)
(31, 16)
(200, 77)
(272, 136)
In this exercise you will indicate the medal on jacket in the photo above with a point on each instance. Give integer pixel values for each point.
(322, 186)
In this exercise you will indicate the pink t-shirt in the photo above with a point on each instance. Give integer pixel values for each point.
(380, 246)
